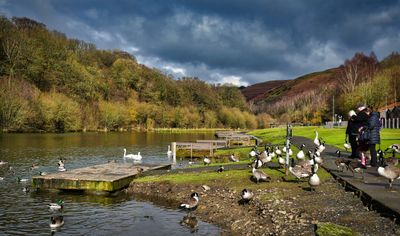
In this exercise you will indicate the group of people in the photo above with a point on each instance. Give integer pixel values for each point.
(363, 133)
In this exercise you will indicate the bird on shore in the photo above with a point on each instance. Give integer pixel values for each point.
(355, 167)
(57, 205)
(277, 150)
(300, 171)
(19, 179)
(253, 152)
(206, 160)
(246, 195)
(232, 158)
(191, 203)
(257, 163)
(314, 180)
(340, 162)
(281, 160)
(390, 172)
(300, 155)
(395, 147)
(220, 169)
(259, 174)
(392, 160)
(316, 140)
(265, 157)
(56, 221)
(41, 173)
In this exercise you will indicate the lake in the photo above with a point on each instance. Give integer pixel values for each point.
(27, 213)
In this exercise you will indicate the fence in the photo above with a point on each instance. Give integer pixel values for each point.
(392, 123)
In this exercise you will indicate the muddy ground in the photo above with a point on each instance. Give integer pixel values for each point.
(275, 210)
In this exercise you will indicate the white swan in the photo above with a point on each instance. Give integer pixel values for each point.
(136, 157)
(169, 152)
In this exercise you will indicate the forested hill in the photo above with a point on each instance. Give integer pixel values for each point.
(49, 82)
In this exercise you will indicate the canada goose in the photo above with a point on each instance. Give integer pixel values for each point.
(281, 160)
(220, 169)
(26, 189)
(316, 140)
(257, 163)
(56, 221)
(277, 150)
(61, 163)
(246, 196)
(314, 180)
(355, 167)
(321, 147)
(34, 166)
(191, 203)
(265, 157)
(253, 153)
(42, 173)
(395, 147)
(56, 206)
(308, 163)
(300, 171)
(259, 174)
(318, 158)
(206, 160)
(393, 161)
(389, 172)
(61, 169)
(300, 155)
(347, 146)
(232, 158)
(19, 180)
(340, 161)
(3, 162)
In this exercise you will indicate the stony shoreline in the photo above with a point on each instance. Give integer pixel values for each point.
(275, 210)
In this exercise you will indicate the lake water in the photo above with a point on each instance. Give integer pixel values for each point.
(27, 213)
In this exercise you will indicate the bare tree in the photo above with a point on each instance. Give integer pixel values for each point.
(356, 70)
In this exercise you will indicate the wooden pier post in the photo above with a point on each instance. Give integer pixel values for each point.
(173, 145)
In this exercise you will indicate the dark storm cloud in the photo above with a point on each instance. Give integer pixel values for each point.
(242, 41)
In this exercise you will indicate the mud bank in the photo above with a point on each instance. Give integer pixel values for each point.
(278, 208)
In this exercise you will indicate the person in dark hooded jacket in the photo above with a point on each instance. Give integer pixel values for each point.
(374, 126)
(352, 134)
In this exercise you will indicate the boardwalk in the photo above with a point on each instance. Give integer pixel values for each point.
(108, 177)
(373, 188)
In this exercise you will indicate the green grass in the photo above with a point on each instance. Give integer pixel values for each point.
(236, 179)
(334, 137)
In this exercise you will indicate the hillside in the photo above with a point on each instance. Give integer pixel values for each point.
(258, 92)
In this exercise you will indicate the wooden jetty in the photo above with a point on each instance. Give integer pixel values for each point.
(108, 177)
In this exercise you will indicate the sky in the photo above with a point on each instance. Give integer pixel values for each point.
(226, 41)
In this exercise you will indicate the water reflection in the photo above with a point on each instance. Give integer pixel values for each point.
(27, 213)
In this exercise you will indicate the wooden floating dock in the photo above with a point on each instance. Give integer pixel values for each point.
(108, 177)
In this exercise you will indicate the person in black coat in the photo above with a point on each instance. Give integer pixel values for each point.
(352, 134)
(374, 126)
(361, 121)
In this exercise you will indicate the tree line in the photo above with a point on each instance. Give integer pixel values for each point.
(49, 82)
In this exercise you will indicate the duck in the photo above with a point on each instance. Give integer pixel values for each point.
(56, 221)
(57, 205)
(340, 162)
(300, 155)
(191, 203)
(259, 174)
(246, 195)
(34, 166)
(220, 169)
(206, 160)
(316, 140)
(135, 157)
(169, 152)
(232, 158)
(389, 172)
(314, 180)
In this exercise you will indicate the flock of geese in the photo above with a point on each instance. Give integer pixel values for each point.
(305, 168)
